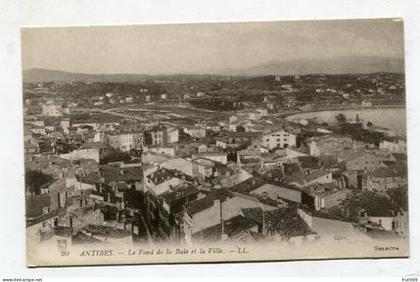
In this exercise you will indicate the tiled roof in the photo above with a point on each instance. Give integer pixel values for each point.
(111, 173)
(286, 222)
(206, 202)
(375, 204)
(309, 162)
(400, 157)
(248, 185)
(390, 171)
(400, 197)
(179, 192)
(36, 203)
(232, 227)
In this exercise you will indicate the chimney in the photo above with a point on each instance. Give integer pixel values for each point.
(218, 203)
(263, 220)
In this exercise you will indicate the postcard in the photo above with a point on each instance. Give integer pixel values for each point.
(215, 142)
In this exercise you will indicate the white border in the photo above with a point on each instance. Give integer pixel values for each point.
(15, 14)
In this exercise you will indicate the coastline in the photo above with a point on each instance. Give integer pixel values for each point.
(394, 106)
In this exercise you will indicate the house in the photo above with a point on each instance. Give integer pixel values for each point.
(257, 114)
(161, 135)
(52, 109)
(155, 136)
(38, 130)
(172, 207)
(92, 154)
(323, 196)
(172, 134)
(196, 131)
(329, 145)
(231, 230)
(216, 156)
(214, 126)
(331, 230)
(399, 197)
(235, 140)
(303, 179)
(215, 208)
(125, 140)
(278, 139)
(120, 173)
(249, 159)
(179, 164)
(359, 160)
(376, 211)
(397, 146)
(282, 225)
(385, 178)
(278, 192)
(166, 192)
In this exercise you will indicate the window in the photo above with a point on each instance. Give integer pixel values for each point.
(45, 210)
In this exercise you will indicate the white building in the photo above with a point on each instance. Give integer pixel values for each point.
(173, 135)
(52, 109)
(196, 131)
(399, 146)
(279, 139)
(126, 141)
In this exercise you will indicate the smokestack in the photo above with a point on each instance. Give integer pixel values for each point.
(263, 220)
(218, 204)
(71, 224)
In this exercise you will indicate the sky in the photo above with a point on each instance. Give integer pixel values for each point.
(205, 48)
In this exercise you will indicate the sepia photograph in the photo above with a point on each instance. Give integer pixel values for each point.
(215, 142)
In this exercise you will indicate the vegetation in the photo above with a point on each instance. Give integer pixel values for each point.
(35, 180)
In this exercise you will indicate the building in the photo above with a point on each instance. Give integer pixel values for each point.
(172, 135)
(329, 145)
(359, 160)
(385, 178)
(279, 139)
(52, 109)
(125, 141)
(397, 146)
(216, 156)
(161, 135)
(323, 196)
(217, 207)
(196, 131)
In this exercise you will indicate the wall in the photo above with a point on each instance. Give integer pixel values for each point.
(385, 222)
(330, 229)
(82, 154)
(274, 191)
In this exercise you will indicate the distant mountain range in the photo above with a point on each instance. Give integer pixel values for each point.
(342, 65)
(351, 64)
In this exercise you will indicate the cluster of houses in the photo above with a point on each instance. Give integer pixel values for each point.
(246, 179)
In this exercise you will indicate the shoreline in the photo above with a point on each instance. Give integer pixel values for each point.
(288, 115)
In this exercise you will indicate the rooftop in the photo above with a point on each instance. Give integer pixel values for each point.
(206, 202)
(117, 174)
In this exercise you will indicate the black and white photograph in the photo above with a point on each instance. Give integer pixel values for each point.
(215, 142)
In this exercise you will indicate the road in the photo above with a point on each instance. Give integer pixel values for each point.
(112, 112)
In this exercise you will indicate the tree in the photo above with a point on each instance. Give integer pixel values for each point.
(34, 180)
(340, 118)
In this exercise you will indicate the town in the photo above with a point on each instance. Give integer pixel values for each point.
(190, 159)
